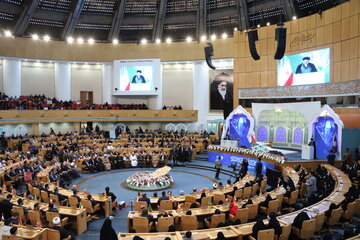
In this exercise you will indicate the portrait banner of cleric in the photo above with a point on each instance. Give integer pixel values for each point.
(306, 67)
(221, 90)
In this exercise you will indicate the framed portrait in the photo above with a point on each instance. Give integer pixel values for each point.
(221, 89)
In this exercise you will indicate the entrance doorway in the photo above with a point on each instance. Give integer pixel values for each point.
(86, 98)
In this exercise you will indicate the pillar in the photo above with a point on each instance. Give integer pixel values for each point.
(107, 83)
(62, 81)
(76, 127)
(35, 129)
(12, 77)
(201, 91)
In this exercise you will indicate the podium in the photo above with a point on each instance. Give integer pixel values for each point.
(229, 143)
(307, 152)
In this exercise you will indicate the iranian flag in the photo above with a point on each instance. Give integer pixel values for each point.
(124, 80)
(287, 73)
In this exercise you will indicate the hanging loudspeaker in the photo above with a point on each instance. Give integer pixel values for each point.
(253, 37)
(280, 37)
(209, 52)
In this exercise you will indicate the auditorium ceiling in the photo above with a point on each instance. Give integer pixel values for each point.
(134, 20)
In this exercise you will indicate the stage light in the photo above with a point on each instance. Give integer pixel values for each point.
(294, 17)
(158, 41)
(35, 37)
(8, 33)
(235, 29)
(46, 38)
(168, 40)
(203, 38)
(80, 40)
(115, 41)
(213, 37)
(91, 41)
(143, 41)
(189, 39)
(70, 40)
(267, 24)
(224, 35)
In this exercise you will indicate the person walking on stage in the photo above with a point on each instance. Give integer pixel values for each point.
(218, 166)
(258, 168)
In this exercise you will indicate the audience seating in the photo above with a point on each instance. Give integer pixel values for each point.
(188, 223)
(89, 207)
(51, 215)
(286, 230)
(246, 193)
(242, 214)
(307, 229)
(335, 217)
(264, 235)
(273, 207)
(349, 212)
(166, 205)
(216, 219)
(163, 223)
(141, 224)
(140, 205)
(253, 210)
(292, 199)
(218, 197)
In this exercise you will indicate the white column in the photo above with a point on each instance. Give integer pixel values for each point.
(63, 81)
(107, 83)
(201, 91)
(12, 77)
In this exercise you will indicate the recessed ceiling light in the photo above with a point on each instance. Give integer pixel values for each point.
(224, 35)
(203, 38)
(213, 37)
(143, 41)
(267, 23)
(115, 41)
(158, 40)
(46, 38)
(91, 41)
(35, 37)
(294, 17)
(168, 40)
(235, 29)
(258, 25)
(70, 40)
(188, 39)
(80, 40)
(8, 33)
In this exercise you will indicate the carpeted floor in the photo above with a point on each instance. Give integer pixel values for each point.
(185, 178)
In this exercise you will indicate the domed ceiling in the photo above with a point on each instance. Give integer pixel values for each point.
(133, 20)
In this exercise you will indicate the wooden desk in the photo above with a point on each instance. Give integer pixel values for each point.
(150, 236)
(25, 233)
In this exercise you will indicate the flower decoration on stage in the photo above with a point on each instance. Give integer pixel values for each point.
(150, 179)
(249, 151)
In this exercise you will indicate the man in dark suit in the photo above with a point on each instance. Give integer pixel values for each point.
(305, 67)
(163, 197)
(258, 168)
(144, 199)
(6, 207)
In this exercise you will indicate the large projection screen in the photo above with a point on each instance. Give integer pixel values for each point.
(304, 68)
(136, 77)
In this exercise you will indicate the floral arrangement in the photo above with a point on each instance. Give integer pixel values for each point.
(147, 179)
(249, 151)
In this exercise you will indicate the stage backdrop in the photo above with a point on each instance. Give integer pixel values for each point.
(229, 159)
(286, 125)
(221, 88)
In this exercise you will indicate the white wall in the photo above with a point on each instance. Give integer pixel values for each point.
(37, 78)
(178, 85)
(62, 127)
(16, 129)
(86, 78)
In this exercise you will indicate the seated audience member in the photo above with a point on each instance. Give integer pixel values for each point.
(20, 203)
(144, 198)
(266, 202)
(145, 213)
(107, 232)
(171, 228)
(258, 226)
(233, 209)
(299, 219)
(14, 220)
(187, 236)
(274, 223)
(13, 231)
(220, 236)
(60, 197)
(348, 233)
(57, 226)
(51, 208)
(163, 197)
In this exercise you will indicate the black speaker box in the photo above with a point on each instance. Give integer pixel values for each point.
(280, 37)
(253, 37)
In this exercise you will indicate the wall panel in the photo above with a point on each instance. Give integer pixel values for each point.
(37, 78)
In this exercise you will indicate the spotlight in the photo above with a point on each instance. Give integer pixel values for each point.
(80, 40)
(35, 37)
(203, 38)
(8, 33)
(168, 40)
(46, 38)
(91, 41)
(267, 24)
(115, 41)
(224, 35)
(143, 41)
(235, 29)
(213, 37)
(294, 17)
(158, 41)
(258, 25)
(70, 40)
(188, 39)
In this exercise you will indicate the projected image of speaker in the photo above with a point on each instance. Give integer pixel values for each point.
(280, 37)
(209, 52)
(253, 37)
